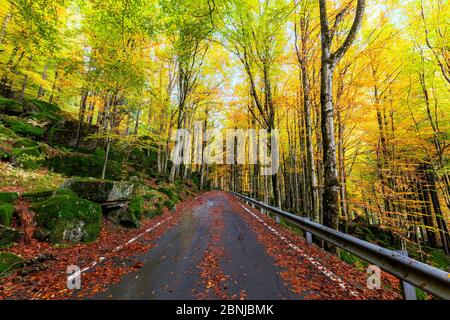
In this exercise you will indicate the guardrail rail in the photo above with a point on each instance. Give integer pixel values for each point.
(416, 273)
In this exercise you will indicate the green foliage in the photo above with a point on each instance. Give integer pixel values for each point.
(6, 213)
(28, 158)
(439, 259)
(8, 197)
(58, 215)
(421, 295)
(169, 204)
(171, 193)
(21, 127)
(155, 211)
(352, 259)
(9, 262)
(136, 207)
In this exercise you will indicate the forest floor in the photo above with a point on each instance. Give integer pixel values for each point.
(210, 247)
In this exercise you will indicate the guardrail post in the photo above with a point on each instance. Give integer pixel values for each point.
(408, 290)
(277, 219)
(309, 239)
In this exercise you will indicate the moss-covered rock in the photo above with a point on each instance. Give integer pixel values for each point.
(6, 213)
(23, 128)
(64, 132)
(34, 151)
(67, 218)
(45, 111)
(8, 236)
(6, 132)
(25, 143)
(100, 191)
(38, 195)
(9, 197)
(121, 215)
(10, 107)
(83, 165)
(8, 263)
(64, 191)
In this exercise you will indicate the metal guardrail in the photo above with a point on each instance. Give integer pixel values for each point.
(418, 274)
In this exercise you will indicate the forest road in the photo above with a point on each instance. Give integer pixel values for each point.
(223, 249)
(212, 253)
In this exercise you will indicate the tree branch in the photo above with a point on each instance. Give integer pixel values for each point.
(337, 56)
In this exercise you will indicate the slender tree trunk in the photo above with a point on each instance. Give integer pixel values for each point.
(83, 101)
(108, 145)
(53, 86)
(44, 77)
(426, 209)
(25, 81)
(442, 224)
(329, 61)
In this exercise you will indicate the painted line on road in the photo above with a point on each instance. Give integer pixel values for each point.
(314, 262)
(118, 248)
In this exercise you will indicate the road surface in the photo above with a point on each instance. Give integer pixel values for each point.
(220, 249)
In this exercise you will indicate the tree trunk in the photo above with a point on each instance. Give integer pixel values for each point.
(83, 101)
(50, 100)
(331, 187)
(108, 145)
(44, 77)
(329, 61)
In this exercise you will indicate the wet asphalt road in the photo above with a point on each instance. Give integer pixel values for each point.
(172, 269)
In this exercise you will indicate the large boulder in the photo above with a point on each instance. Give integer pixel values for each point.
(127, 214)
(8, 236)
(65, 218)
(64, 132)
(100, 191)
(23, 127)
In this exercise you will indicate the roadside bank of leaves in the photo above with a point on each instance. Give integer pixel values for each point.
(51, 283)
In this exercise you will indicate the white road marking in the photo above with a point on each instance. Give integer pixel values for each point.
(314, 262)
(93, 264)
